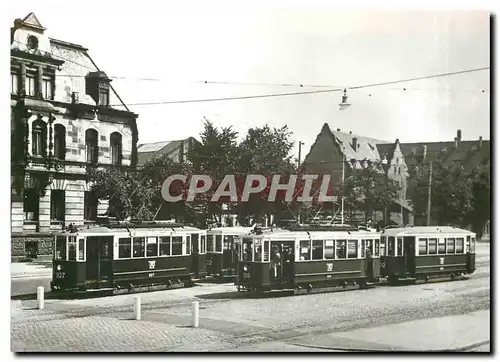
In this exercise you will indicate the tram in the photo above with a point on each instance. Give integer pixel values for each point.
(127, 257)
(221, 252)
(424, 252)
(305, 258)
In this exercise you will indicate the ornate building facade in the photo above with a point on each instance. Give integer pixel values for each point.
(66, 116)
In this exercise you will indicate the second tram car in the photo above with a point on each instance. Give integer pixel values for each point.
(423, 252)
(221, 252)
(126, 256)
(286, 259)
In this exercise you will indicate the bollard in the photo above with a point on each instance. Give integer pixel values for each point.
(195, 308)
(40, 297)
(137, 309)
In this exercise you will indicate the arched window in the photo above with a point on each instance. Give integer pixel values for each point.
(39, 138)
(59, 141)
(116, 148)
(91, 145)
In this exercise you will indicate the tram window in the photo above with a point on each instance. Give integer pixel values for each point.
(382, 246)
(60, 251)
(258, 251)
(152, 249)
(450, 246)
(352, 249)
(460, 246)
(176, 245)
(377, 250)
(139, 246)
(391, 249)
(203, 244)
(188, 245)
(432, 246)
(442, 246)
(247, 250)
(105, 248)
(165, 246)
(81, 249)
(305, 250)
(363, 246)
(473, 245)
(124, 249)
(210, 243)
(369, 247)
(218, 243)
(329, 249)
(400, 246)
(422, 247)
(341, 249)
(228, 242)
(266, 250)
(317, 250)
(72, 248)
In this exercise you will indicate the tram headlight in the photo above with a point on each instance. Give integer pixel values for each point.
(58, 267)
(245, 268)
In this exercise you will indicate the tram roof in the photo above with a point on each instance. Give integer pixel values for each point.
(126, 229)
(315, 234)
(418, 230)
(230, 230)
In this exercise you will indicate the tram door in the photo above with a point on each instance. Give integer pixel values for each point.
(192, 245)
(368, 255)
(409, 254)
(282, 260)
(228, 253)
(99, 258)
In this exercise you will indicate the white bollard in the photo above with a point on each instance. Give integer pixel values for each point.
(195, 309)
(40, 297)
(137, 309)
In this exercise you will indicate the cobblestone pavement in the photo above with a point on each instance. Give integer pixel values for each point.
(230, 322)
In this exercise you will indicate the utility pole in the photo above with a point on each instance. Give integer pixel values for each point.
(343, 177)
(300, 151)
(429, 199)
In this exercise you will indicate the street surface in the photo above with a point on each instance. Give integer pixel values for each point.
(450, 315)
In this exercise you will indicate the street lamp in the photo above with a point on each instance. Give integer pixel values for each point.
(300, 151)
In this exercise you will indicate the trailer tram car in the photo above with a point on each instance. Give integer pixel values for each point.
(424, 252)
(126, 257)
(221, 252)
(307, 257)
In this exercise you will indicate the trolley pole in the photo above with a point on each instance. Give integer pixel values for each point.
(429, 196)
(300, 153)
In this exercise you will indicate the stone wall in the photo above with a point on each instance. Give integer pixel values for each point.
(31, 246)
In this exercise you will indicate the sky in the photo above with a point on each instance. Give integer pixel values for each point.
(182, 46)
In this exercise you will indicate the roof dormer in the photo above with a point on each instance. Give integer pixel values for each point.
(97, 86)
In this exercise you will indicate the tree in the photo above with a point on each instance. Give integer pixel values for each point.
(266, 151)
(216, 156)
(481, 198)
(368, 190)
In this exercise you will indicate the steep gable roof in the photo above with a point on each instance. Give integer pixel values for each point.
(148, 151)
(366, 148)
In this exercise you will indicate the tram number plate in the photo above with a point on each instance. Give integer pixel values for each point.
(246, 275)
(60, 275)
(151, 275)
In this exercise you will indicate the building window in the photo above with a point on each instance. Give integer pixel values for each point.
(116, 148)
(59, 141)
(31, 85)
(103, 97)
(47, 87)
(91, 145)
(57, 205)
(14, 83)
(31, 205)
(39, 138)
(90, 206)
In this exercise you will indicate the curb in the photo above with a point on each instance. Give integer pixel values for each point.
(396, 349)
(31, 275)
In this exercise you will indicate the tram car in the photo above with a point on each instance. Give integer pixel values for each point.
(221, 252)
(424, 252)
(307, 257)
(127, 257)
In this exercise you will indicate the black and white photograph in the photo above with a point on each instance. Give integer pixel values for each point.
(249, 177)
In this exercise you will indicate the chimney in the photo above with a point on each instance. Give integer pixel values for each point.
(338, 129)
(456, 142)
(425, 151)
(480, 141)
(459, 135)
(350, 132)
(355, 143)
